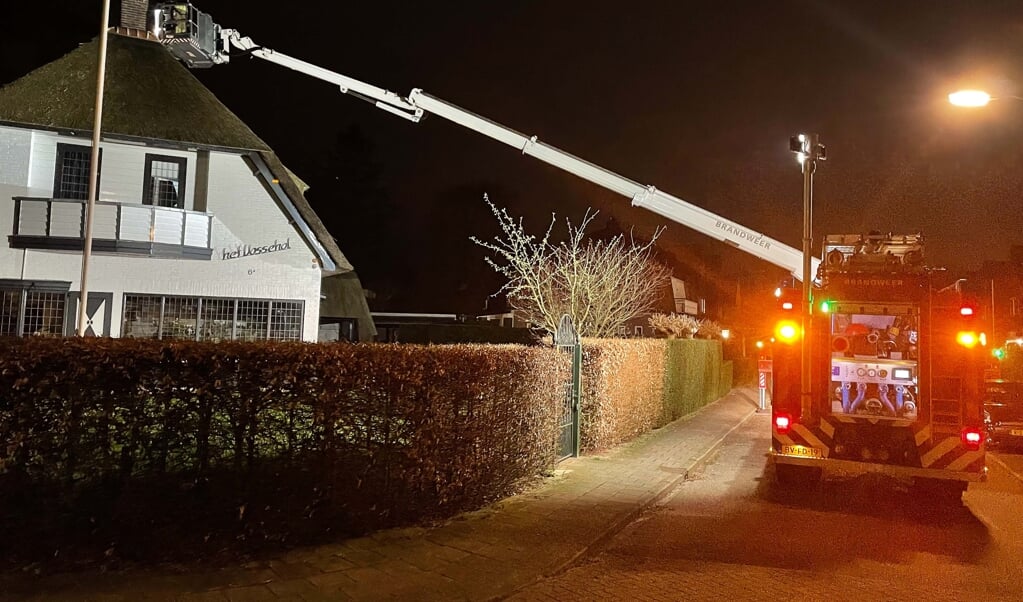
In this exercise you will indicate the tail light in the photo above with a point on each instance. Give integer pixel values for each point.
(972, 438)
(782, 423)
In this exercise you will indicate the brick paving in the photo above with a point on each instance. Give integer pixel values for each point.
(483, 555)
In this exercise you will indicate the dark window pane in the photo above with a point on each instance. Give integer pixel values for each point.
(165, 181)
(44, 313)
(10, 307)
(73, 175)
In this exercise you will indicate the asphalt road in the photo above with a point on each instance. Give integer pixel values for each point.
(731, 533)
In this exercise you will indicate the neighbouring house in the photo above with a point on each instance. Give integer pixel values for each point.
(199, 231)
(692, 275)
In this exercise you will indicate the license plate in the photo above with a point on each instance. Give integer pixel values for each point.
(1016, 432)
(801, 451)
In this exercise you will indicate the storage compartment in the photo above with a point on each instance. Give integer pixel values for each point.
(874, 361)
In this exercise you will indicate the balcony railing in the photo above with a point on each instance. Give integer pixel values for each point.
(41, 223)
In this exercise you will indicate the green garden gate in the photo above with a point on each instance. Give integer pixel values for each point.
(566, 339)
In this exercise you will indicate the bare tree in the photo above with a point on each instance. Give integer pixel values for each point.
(602, 284)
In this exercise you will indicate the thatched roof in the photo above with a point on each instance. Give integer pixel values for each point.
(148, 95)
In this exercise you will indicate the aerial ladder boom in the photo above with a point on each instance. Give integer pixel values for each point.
(193, 37)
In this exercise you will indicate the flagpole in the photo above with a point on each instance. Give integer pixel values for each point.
(83, 298)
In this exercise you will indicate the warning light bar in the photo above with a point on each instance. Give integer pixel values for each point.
(787, 331)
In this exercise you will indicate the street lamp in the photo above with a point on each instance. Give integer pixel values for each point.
(969, 98)
(975, 98)
(808, 151)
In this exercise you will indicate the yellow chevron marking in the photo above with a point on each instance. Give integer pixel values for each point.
(784, 439)
(939, 450)
(810, 438)
(873, 420)
(923, 435)
(965, 460)
(828, 428)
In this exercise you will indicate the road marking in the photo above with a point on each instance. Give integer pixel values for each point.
(1005, 466)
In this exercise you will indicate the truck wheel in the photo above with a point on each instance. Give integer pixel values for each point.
(790, 475)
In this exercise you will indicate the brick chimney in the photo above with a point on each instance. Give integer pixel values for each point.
(133, 19)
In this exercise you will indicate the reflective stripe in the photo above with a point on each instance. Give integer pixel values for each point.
(828, 429)
(784, 439)
(938, 451)
(965, 460)
(923, 435)
(810, 438)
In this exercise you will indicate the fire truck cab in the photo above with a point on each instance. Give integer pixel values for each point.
(896, 369)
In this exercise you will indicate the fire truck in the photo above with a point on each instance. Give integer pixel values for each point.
(893, 387)
(896, 369)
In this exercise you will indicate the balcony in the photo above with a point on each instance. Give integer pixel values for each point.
(130, 229)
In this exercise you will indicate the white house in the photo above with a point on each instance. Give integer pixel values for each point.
(199, 231)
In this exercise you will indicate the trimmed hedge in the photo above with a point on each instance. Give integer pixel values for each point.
(444, 334)
(117, 449)
(727, 380)
(135, 445)
(631, 386)
(745, 370)
(623, 390)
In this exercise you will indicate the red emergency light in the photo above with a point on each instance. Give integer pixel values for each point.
(782, 423)
(966, 310)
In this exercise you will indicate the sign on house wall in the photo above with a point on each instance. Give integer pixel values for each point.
(239, 251)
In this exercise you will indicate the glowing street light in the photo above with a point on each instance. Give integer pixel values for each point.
(976, 98)
(969, 98)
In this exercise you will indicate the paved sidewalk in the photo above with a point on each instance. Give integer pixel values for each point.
(481, 555)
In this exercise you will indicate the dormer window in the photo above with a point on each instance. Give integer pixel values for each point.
(71, 178)
(165, 181)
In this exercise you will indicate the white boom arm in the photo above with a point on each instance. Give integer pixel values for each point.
(419, 103)
(647, 197)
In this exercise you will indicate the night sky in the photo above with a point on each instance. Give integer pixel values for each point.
(696, 98)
